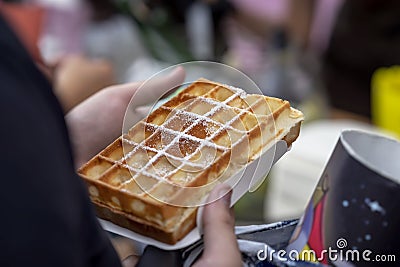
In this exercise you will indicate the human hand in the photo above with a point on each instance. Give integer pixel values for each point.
(98, 120)
(220, 244)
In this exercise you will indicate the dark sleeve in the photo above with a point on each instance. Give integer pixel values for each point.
(45, 214)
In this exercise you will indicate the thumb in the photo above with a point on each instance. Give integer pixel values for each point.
(143, 111)
(220, 244)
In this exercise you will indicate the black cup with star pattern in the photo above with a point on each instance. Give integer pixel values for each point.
(355, 209)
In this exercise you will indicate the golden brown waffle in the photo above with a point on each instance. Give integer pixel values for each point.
(151, 179)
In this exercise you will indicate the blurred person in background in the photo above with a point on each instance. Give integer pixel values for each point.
(93, 28)
(85, 45)
(110, 44)
(258, 44)
(294, 48)
(113, 36)
(353, 38)
(365, 38)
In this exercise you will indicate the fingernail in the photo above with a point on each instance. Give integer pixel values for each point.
(175, 70)
(225, 194)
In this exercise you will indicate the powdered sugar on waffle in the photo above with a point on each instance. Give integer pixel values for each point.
(194, 120)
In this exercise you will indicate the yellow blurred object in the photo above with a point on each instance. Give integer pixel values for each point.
(307, 254)
(385, 99)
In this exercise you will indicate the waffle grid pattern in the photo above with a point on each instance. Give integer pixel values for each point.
(208, 132)
(172, 150)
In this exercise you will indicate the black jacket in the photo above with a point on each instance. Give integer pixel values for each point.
(45, 214)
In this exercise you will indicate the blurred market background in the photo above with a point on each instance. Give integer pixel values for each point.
(336, 60)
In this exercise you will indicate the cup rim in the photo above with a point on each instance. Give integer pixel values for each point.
(366, 162)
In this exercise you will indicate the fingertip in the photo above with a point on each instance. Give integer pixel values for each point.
(221, 192)
(143, 110)
(178, 73)
(179, 69)
(218, 208)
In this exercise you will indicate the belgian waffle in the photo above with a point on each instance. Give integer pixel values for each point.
(151, 179)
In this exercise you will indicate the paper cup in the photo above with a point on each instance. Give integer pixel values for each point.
(353, 217)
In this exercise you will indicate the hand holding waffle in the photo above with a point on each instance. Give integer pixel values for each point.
(87, 143)
(152, 178)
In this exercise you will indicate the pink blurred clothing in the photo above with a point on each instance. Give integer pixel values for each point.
(275, 10)
(323, 23)
(64, 28)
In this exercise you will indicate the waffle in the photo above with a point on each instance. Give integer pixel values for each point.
(151, 179)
